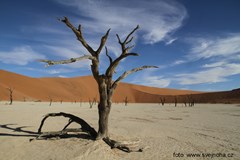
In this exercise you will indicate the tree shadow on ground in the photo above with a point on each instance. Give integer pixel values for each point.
(18, 130)
(21, 132)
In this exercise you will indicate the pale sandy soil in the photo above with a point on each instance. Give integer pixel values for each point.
(205, 128)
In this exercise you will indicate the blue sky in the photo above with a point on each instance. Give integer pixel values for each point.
(196, 44)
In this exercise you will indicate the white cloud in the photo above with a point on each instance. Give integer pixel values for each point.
(170, 41)
(209, 75)
(50, 71)
(157, 19)
(61, 76)
(20, 56)
(215, 64)
(178, 62)
(155, 81)
(147, 79)
(57, 71)
(224, 47)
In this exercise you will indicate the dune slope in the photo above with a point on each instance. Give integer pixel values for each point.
(85, 89)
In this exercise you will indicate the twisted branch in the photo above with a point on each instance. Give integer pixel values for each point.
(126, 146)
(109, 57)
(85, 126)
(78, 33)
(125, 74)
(71, 60)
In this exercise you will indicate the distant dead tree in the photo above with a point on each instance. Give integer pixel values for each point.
(10, 89)
(175, 101)
(105, 82)
(91, 102)
(50, 100)
(61, 101)
(190, 100)
(95, 100)
(185, 101)
(24, 99)
(80, 102)
(126, 101)
(162, 99)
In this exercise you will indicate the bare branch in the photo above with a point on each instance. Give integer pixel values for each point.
(109, 57)
(78, 33)
(124, 54)
(103, 41)
(72, 60)
(129, 40)
(128, 36)
(125, 74)
(126, 146)
(119, 40)
(113, 65)
(129, 48)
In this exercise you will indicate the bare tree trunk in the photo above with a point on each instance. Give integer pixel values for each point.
(104, 107)
(175, 101)
(91, 102)
(10, 95)
(162, 100)
(11, 99)
(126, 101)
(50, 102)
(103, 112)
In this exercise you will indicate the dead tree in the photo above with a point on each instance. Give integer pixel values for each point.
(162, 99)
(91, 102)
(50, 100)
(193, 102)
(80, 102)
(126, 101)
(185, 101)
(95, 100)
(10, 89)
(175, 101)
(106, 84)
(190, 100)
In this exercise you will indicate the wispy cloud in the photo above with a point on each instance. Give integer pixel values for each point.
(217, 58)
(20, 56)
(225, 46)
(50, 71)
(158, 18)
(215, 64)
(170, 41)
(219, 49)
(209, 75)
(155, 81)
(57, 71)
(178, 62)
(149, 78)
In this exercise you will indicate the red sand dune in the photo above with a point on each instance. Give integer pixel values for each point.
(85, 89)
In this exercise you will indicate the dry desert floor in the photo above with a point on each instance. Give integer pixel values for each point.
(205, 131)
